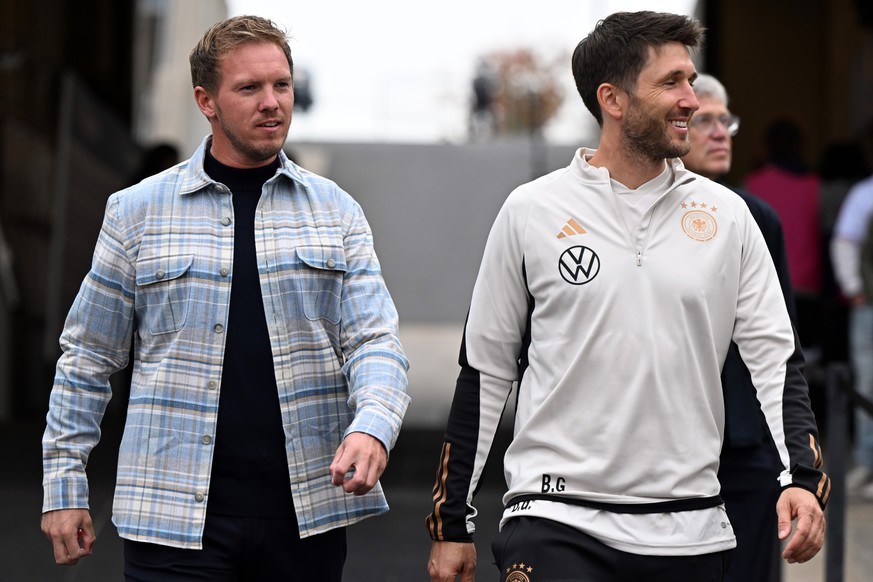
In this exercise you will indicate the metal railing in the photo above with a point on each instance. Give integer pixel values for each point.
(840, 394)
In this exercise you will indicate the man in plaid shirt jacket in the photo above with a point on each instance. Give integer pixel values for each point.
(268, 380)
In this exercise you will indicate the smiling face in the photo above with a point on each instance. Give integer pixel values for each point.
(655, 120)
(710, 153)
(250, 111)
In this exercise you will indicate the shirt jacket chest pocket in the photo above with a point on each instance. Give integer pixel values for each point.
(163, 293)
(319, 281)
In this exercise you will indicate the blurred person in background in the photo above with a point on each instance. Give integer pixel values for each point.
(786, 182)
(155, 158)
(749, 463)
(842, 165)
(268, 381)
(482, 114)
(610, 291)
(853, 268)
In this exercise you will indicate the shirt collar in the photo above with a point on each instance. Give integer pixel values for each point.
(195, 178)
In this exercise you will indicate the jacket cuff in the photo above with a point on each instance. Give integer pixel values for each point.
(65, 493)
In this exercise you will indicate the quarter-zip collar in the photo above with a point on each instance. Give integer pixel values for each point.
(585, 172)
(638, 236)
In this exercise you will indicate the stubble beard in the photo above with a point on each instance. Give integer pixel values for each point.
(648, 138)
(253, 152)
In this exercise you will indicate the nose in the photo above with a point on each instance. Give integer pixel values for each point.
(270, 101)
(689, 99)
(719, 129)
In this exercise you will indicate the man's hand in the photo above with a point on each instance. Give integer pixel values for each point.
(801, 505)
(71, 533)
(368, 457)
(451, 559)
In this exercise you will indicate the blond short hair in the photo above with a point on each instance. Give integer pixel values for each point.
(225, 36)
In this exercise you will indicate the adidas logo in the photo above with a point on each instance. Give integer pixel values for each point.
(572, 228)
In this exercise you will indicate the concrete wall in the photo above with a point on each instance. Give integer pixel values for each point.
(431, 208)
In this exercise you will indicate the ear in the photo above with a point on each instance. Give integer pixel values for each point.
(612, 100)
(204, 102)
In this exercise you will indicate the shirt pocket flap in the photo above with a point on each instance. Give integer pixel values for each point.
(159, 269)
(323, 258)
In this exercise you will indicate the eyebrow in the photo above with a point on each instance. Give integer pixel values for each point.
(681, 73)
(252, 81)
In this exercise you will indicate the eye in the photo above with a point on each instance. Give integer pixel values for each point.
(702, 121)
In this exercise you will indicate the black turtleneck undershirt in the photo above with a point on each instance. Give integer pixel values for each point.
(250, 467)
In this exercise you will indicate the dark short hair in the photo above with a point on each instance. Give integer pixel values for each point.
(618, 49)
(225, 36)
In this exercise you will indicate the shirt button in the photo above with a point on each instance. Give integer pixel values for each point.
(159, 274)
(224, 271)
(206, 439)
(218, 328)
(199, 497)
(225, 221)
(212, 384)
(331, 263)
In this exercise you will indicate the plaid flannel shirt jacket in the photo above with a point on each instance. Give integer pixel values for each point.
(161, 274)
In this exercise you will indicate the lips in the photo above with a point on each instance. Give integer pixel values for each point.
(271, 124)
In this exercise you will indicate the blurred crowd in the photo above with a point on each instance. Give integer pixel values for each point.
(825, 208)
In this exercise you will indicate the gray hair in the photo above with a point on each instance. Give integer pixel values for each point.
(708, 86)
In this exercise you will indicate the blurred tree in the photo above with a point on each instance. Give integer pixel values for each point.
(527, 93)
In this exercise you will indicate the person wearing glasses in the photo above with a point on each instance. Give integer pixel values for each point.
(749, 463)
(787, 183)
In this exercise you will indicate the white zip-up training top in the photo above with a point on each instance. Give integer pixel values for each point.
(617, 340)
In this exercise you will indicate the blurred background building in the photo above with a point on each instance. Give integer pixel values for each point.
(86, 89)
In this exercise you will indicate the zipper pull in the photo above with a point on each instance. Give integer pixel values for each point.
(639, 259)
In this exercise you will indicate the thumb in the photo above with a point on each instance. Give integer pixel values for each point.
(783, 517)
(86, 535)
(337, 468)
(338, 454)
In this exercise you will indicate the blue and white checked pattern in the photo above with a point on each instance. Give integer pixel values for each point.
(162, 272)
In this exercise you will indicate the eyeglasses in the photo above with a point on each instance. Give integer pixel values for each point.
(706, 122)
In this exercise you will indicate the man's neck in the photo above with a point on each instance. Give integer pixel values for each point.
(631, 171)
